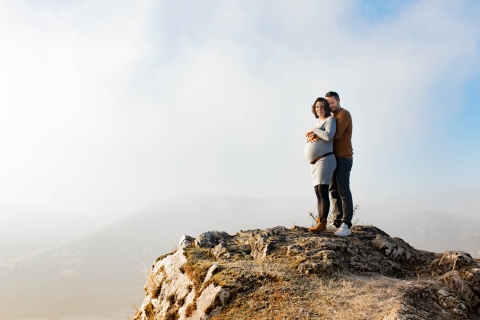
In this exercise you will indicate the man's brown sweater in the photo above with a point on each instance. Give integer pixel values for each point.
(342, 141)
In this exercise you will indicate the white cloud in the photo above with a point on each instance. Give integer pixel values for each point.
(116, 109)
(62, 71)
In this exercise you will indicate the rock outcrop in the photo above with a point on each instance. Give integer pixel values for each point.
(282, 273)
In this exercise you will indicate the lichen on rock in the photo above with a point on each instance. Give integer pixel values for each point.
(281, 273)
(211, 238)
(172, 292)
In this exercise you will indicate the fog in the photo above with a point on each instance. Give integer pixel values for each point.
(103, 273)
(124, 125)
(116, 110)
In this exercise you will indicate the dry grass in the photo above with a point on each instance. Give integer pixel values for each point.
(199, 260)
(356, 298)
(134, 306)
(453, 280)
(330, 217)
(280, 294)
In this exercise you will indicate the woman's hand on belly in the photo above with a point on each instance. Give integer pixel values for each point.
(311, 137)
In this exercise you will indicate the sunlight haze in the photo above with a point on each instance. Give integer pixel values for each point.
(109, 110)
(115, 108)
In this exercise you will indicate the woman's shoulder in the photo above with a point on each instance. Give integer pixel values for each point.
(330, 119)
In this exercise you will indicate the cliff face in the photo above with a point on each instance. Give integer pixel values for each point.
(282, 273)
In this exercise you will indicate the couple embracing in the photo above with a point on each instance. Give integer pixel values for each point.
(329, 151)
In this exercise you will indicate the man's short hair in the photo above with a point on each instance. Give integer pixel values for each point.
(330, 94)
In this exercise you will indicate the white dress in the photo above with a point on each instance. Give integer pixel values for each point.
(322, 170)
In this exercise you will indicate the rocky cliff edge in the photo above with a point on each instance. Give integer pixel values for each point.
(281, 273)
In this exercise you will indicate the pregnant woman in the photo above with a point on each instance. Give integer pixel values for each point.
(319, 152)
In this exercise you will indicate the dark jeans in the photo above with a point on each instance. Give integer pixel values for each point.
(341, 195)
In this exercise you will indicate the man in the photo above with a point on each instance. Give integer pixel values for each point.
(340, 185)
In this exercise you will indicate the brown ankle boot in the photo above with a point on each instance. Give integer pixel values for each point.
(320, 227)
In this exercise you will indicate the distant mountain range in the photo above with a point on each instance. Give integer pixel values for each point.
(101, 273)
(431, 230)
(28, 228)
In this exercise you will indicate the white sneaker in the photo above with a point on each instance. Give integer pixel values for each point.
(343, 231)
(331, 228)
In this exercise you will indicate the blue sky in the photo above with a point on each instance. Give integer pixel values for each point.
(372, 11)
(117, 106)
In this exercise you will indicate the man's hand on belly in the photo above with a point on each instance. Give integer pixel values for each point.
(311, 137)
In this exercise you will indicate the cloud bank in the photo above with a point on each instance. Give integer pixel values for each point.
(117, 106)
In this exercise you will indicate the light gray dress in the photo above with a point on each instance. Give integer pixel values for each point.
(322, 170)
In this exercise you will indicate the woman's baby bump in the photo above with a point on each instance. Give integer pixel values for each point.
(313, 150)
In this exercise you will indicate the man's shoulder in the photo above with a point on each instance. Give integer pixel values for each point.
(344, 114)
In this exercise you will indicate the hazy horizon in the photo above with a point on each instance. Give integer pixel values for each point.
(77, 276)
(99, 273)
